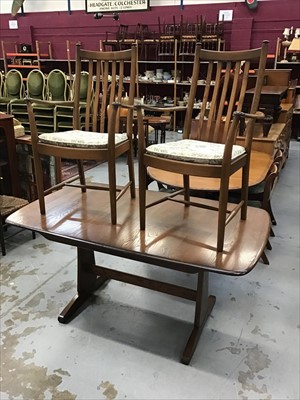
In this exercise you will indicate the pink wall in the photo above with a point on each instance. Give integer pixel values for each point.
(248, 28)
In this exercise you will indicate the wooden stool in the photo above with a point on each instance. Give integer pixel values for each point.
(158, 123)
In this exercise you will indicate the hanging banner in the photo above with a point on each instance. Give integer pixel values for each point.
(102, 6)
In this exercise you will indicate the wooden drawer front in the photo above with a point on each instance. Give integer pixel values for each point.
(286, 114)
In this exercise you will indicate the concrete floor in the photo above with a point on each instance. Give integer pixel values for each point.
(126, 344)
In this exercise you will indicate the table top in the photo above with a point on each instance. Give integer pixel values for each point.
(5, 116)
(260, 164)
(176, 237)
(270, 89)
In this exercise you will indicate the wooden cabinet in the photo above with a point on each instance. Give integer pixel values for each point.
(278, 138)
(294, 67)
(8, 157)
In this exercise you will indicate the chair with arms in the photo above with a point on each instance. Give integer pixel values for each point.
(214, 153)
(106, 69)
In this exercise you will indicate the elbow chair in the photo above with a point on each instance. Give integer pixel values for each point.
(213, 153)
(99, 140)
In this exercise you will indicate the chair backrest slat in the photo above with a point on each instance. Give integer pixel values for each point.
(107, 73)
(226, 75)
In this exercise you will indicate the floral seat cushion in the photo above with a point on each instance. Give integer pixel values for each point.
(196, 151)
(83, 139)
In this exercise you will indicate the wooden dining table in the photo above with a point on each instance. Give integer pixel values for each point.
(260, 164)
(177, 238)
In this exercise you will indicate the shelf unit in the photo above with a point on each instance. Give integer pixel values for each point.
(24, 61)
(294, 66)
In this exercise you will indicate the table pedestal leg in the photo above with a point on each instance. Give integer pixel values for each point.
(203, 307)
(87, 283)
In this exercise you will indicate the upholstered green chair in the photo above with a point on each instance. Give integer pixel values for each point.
(64, 114)
(57, 86)
(56, 90)
(13, 88)
(36, 85)
(36, 89)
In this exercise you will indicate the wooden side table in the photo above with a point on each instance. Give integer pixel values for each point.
(158, 123)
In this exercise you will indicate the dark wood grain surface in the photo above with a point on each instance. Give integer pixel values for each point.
(176, 237)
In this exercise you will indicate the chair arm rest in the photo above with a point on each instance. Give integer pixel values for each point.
(122, 105)
(150, 108)
(160, 109)
(258, 115)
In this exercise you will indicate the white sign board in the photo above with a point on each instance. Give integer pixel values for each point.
(225, 15)
(13, 24)
(101, 6)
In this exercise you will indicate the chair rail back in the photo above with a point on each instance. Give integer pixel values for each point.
(108, 80)
(226, 76)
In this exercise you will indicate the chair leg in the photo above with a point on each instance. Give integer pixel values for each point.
(186, 184)
(39, 182)
(223, 200)
(81, 175)
(270, 211)
(268, 245)
(265, 259)
(244, 191)
(142, 194)
(130, 163)
(112, 190)
(3, 250)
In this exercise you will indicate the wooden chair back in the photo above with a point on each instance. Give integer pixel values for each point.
(71, 51)
(225, 75)
(110, 75)
(270, 184)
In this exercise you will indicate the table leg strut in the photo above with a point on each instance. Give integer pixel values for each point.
(87, 283)
(203, 308)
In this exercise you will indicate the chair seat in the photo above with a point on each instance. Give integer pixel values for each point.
(9, 204)
(195, 151)
(77, 138)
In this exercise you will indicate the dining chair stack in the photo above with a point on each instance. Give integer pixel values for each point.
(100, 139)
(212, 152)
(12, 89)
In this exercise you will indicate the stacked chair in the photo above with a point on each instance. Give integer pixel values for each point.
(12, 89)
(36, 89)
(56, 90)
(64, 114)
